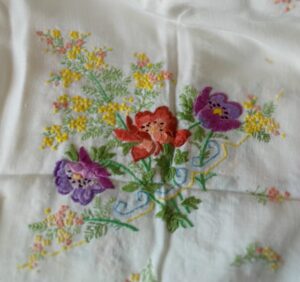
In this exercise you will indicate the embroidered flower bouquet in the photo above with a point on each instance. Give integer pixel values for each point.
(149, 158)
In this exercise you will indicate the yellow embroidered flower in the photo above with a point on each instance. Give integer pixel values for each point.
(32, 261)
(109, 111)
(272, 126)
(50, 220)
(47, 211)
(135, 277)
(46, 242)
(254, 123)
(38, 238)
(78, 124)
(143, 81)
(54, 129)
(56, 33)
(74, 35)
(47, 142)
(142, 60)
(63, 98)
(142, 57)
(80, 104)
(69, 77)
(63, 235)
(69, 218)
(275, 266)
(62, 137)
(95, 59)
(74, 52)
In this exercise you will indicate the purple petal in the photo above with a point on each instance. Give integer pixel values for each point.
(76, 167)
(234, 109)
(215, 123)
(59, 169)
(99, 171)
(84, 156)
(61, 180)
(64, 187)
(83, 196)
(202, 99)
(106, 183)
(227, 125)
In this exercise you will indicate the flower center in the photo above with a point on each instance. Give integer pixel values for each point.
(218, 111)
(154, 127)
(76, 176)
(77, 180)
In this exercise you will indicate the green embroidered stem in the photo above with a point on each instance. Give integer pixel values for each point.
(186, 208)
(121, 120)
(113, 221)
(93, 78)
(203, 151)
(202, 178)
(194, 125)
(189, 222)
(178, 210)
(147, 165)
(152, 197)
(126, 169)
(202, 181)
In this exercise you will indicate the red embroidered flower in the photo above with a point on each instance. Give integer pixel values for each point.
(151, 131)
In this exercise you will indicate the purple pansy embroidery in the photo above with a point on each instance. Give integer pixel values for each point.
(84, 179)
(215, 111)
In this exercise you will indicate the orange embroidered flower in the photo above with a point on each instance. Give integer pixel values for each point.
(151, 131)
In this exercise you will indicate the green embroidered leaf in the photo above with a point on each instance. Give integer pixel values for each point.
(181, 157)
(148, 176)
(131, 187)
(72, 153)
(172, 217)
(147, 274)
(151, 187)
(126, 147)
(191, 203)
(187, 99)
(173, 223)
(102, 153)
(103, 156)
(198, 134)
(164, 162)
(38, 226)
(263, 136)
(95, 231)
(114, 82)
(268, 109)
(114, 168)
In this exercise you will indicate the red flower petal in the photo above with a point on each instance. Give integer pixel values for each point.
(132, 134)
(143, 150)
(161, 114)
(181, 137)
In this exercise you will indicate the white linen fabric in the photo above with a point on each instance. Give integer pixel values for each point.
(236, 46)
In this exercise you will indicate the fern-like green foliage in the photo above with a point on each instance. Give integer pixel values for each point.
(38, 226)
(114, 82)
(187, 99)
(95, 230)
(147, 274)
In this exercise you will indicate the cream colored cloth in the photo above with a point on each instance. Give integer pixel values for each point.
(237, 47)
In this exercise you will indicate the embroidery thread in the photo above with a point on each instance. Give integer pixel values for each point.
(271, 194)
(256, 252)
(146, 275)
(119, 109)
